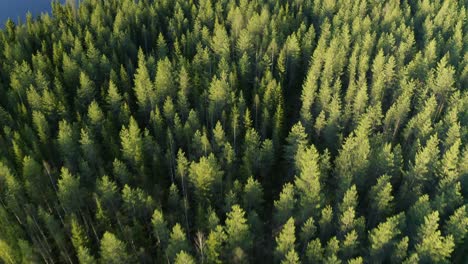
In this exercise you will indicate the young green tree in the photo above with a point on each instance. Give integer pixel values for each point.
(308, 231)
(113, 250)
(421, 173)
(384, 237)
(69, 193)
(136, 203)
(286, 239)
(160, 230)
(308, 183)
(296, 139)
(206, 178)
(164, 83)
(42, 126)
(291, 258)
(381, 200)
(431, 245)
(218, 94)
(67, 145)
(348, 219)
(457, 225)
(284, 207)
(132, 144)
(239, 237)
(184, 258)
(85, 92)
(220, 42)
(326, 223)
(448, 192)
(177, 242)
(350, 245)
(253, 195)
(184, 93)
(401, 250)
(81, 243)
(215, 244)
(251, 158)
(314, 251)
(309, 92)
(441, 82)
(113, 98)
(396, 116)
(353, 159)
(219, 137)
(107, 191)
(144, 91)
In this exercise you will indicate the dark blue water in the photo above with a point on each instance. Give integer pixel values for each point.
(17, 9)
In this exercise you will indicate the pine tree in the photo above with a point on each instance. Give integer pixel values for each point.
(160, 230)
(219, 137)
(69, 193)
(35, 187)
(132, 144)
(291, 258)
(325, 223)
(164, 83)
(113, 97)
(400, 252)
(67, 143)
(184, 92)
(314, 251)
(297, 138)
(80, 243)
(396, 116)
(219, 93)
(214, 245)
(113, 250)
(253, 195)
(177, 242)
(184, 258)
(384, 236)
(448, 191)
(107, 191)
(237, 230)
(206, 177)
(381, 200)
(42, 126)
(309, 90)
(308, 182)
(350, 245)
(144, 91)
(457, 225)
(285, 205)
(441, 82)
(136, 202)
(250, 157)
(421, 174)
(431, 245)
(286, 239)
(162, 47)
(353, 159)
(220, 42)
(85, 92)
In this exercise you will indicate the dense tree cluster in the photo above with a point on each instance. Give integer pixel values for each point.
(235, 131)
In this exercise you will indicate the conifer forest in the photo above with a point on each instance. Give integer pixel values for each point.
(235, 131)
